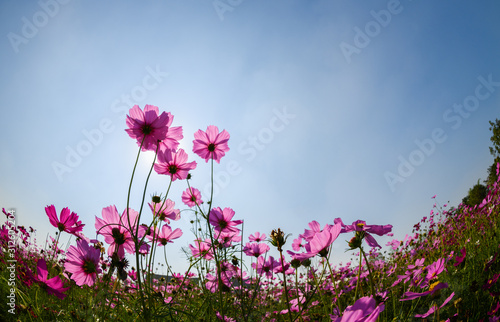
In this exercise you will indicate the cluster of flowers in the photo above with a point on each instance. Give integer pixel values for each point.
(85, 263)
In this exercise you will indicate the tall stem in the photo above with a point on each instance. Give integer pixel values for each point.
(134, 237)
(359, 277)
(284, 283)
(369, 272)
(337, 303)
(212, 239)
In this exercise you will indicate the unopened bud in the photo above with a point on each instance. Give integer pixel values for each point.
(278, 239)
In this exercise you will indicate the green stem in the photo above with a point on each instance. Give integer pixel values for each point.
(337, 303)
(216, 255)
(369, 272)
(359, 277)
(298, 295)
(134, 237)
(284, 283)
(55, 246)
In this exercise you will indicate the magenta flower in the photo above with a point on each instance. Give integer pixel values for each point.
(459, 259)
(434, 308)
(413, 272)
(361, 227)
(364, 309)
(285, 267)
(147, 127)
(211, 144)
(265, 266)
(227, 272)
(165, 211)
(221, 220)
(53, 286)
(227, 238)
(432, 289)
(496, 309)
(191, 197)
(489, 283)
(202, 249)
(255, 249)
(174, 164)
(257, 237)
(69, 220)
(166, 235)
(297, 244)
(394, 244)
(319, 243)
(309, 234)
(224, 318)
(434, 269)
(117, 231)
(174, 135)
(83, 262)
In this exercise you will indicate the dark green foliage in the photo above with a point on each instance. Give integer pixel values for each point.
(476, 195)
(492, 172)
(495, 138)
(495, 151)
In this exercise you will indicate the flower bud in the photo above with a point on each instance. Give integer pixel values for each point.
(306, 262)
(355, 242)
(278, 239)
(295, 263)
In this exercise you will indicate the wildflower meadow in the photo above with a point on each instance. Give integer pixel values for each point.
(446, 269)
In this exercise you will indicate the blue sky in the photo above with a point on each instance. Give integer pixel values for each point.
(335, 109)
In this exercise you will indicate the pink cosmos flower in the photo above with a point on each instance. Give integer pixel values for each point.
(297, 244)
(69, 220)
(418, 263)
(53, 286)
(221, 220)
(295, 303)
(211, 144)
(492, 281)
(309, 234)
(191, 197)
(255, 249)
(412, 295)
(227, 272)
(364, 309)
(257, 237)
(174, 164)
(202, 249)
(496, 309)
(286, 267)
(224, 318)
(227, 238)
(459, 259)
(117, 231)
(434, 269)
(174, 135)
(132, 274)
(166, 235)
(413, 272)
(83, 262)
(435, 307)
(394, 244)
(165, 211)
(320, 243)
(147, 127)
(361, 226)
(265, 266)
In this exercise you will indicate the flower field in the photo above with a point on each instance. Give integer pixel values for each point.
(446, 269)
